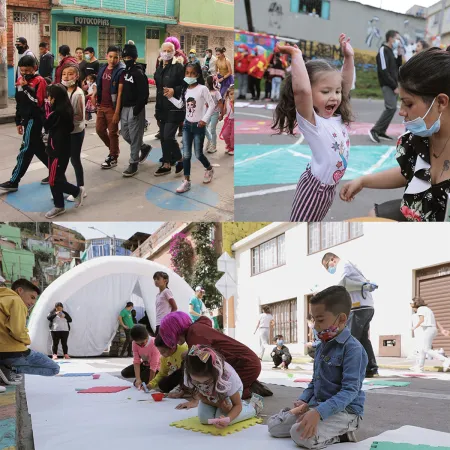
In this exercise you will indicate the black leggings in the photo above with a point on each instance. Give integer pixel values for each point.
(128, 372)
(76, 143)
(254, 86)
(60, 336)
(172, 381)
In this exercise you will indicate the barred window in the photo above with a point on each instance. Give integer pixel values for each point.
(269, 255)
(110, 36)
(285, 317)
(324, 235)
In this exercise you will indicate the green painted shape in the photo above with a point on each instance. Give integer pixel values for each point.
(387, 383)
(8, 434)
(17, 263)
(207, 12)
(403, 446)
(10, 233)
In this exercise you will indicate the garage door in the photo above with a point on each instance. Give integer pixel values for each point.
(435, 290)
(26, 24)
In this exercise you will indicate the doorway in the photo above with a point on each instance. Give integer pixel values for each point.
(69, 35)
(152, 47)
(26, 24)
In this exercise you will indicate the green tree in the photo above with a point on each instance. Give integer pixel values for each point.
(205, 268)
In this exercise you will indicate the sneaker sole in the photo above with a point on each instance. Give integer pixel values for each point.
(129, 175)
(162, 174)
(372, 138)
(109, 167)
(209, 151)
(9, 189)
(54, 215)
(45, 182)
(386, 139)
(182, 192)
(6, 381)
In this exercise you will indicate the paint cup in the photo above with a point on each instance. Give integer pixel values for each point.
(96, 376)
(158, 396)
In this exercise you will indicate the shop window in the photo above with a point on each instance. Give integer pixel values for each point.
(285, 316)
(324, 235)
(26, 17)
(153, 33)
(110, 36)
(200, 43)
(269, 255)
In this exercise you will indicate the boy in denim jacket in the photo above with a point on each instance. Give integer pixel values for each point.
(331, 407)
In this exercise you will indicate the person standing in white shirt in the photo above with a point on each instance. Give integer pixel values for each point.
(428, 323)
(362, 312)
(265, 323)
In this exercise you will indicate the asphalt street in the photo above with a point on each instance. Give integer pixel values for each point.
(256, 198)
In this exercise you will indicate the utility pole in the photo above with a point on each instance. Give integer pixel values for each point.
(248, 11)
(3, 57)
(114, 245)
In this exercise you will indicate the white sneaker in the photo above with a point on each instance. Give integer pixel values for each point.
(212, 149)
(446, 365)
(2, 389)
(209, 173)
(185, 186)
(416, 369)
(70, 198)
(79, 198)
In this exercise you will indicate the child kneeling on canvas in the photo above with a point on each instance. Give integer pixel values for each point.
(145, 357)
(218, 387)
(169, 379)
(331, 407)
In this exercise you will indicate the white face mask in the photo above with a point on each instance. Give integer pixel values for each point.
(167, 56)
(69, 83)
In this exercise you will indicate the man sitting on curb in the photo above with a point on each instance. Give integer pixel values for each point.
(15, 356)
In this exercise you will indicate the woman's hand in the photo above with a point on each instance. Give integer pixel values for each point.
(115, 121)
(225, 405)
(346, 47)
(201, 124)
(138, 384)
(187, 405)
(287, 49)
(351, 189)
(168, 92)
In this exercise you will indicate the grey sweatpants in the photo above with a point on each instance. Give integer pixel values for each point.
(133, 131)
(264, 334)
(284, 425)
(390, 105)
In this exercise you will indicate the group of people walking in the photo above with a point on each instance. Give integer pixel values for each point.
(118, 92)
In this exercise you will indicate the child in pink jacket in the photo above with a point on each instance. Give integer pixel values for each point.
(145, 357)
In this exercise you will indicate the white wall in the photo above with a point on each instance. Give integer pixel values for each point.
(388, 254)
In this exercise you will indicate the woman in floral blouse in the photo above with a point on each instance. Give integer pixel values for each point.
(423, 152)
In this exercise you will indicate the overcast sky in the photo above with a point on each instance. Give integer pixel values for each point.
(398, 5)
(122, 230)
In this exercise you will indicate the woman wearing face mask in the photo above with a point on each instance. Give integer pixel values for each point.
(225, 72)
(65, 58)
(280, 354)
(169, 83)
(423, 152)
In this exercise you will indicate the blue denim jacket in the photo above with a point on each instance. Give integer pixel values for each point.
(339, 371)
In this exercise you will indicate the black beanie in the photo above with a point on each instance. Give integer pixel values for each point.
(130, 50)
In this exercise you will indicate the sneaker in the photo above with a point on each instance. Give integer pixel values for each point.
(172, 163)
(45, 180)
(179, 168)
(54, 212)
(8, 376)
(212, 149)
(145, 151)
(131, 170)
(209, 173)
(350, 436)
(372, 374)
(185, 186)
(446, 365)
(55, 357)
(66, 356)
(231, 152)
(416, 369)
(162, 171)
(275, 367)
(109, 162)
(374, 136)
(9, 186)
(79, 198)
(71, 198)
(257, 402)
(385, 137)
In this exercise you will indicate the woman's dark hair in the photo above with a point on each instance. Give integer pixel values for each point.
(285, 119)
(418, 302)
(198, 71)
(58, 304)
(62, 101)
(221, 49)
(64, 50)
(129, 304)
(160, 343)
(162, 275)
(139, 333)
(425, 44)
(266, 309)
(426, 74)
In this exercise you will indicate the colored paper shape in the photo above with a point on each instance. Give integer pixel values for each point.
(104, 390)
(387, 383)
(77, 374)
(303, 380)
(400, 446)
(193, 424)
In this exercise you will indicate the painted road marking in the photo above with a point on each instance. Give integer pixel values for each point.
(291, 187)
(381, 161)
(429, 395)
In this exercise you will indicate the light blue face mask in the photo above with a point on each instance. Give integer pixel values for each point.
(418, 127)
(395, 45)
(332, 270)
(190, 80)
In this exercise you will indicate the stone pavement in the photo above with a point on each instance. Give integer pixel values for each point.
(8, 419)
(111, 196)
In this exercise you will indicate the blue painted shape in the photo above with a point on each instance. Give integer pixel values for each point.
(156, 154)
(8, 433)
(11, 81)
(198, 198)
(77, 374)
(62, 362)
(284, 164)
(33, 197)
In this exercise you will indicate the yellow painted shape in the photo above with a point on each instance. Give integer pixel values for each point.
(8, 398)
(193, 424)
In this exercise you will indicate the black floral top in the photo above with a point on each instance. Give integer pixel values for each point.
(422, 201)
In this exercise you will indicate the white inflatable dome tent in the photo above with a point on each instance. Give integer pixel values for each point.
(94, 293)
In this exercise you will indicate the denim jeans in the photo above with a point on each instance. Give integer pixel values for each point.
(193, 134)
(206, 412)
(243, 84)
(211, 134)
(33, 364)
(276, 83)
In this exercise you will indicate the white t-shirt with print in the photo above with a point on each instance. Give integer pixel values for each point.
(330, 145)
(215, 95)
(196, 100)
(428, 316)
(162, 305)
(264, 320)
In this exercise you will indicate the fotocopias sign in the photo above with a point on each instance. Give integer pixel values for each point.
(95, 21)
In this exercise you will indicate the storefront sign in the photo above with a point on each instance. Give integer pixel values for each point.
(94, 21)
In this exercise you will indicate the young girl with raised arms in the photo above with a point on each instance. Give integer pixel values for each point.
(315, 97)
(218, 387)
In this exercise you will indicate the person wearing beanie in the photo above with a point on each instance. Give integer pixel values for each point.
(134, 98)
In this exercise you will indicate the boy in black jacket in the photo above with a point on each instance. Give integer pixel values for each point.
(134, 98)
(30, 97)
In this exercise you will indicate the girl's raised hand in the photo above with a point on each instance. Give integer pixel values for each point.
(347, 48)
(287, 49)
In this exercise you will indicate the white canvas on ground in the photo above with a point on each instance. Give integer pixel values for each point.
(94, 293)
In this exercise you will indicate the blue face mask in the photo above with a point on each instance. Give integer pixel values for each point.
(280, 343)
(418, 126)
(332, 270)
(190, 80)
(395, 45)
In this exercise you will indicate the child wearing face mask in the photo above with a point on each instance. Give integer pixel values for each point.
(199, 109)
(280, 354)
(91, 82)
(70, 79)
(315, 98)
(423, 152)
(330, 409)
